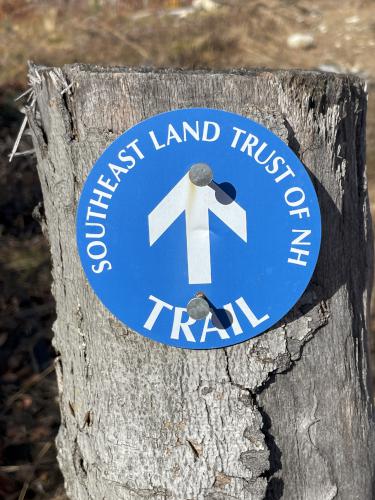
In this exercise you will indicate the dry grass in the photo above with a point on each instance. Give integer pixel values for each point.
(238, 33)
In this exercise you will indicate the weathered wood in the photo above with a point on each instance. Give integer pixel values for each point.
(285, 415)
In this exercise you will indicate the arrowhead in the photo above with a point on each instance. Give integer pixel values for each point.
(232, 214)
(167, 211)
(196, 202)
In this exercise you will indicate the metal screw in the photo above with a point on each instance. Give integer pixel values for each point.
(200, 174)
(198, 307)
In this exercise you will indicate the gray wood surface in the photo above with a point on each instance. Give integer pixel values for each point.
(286, 415)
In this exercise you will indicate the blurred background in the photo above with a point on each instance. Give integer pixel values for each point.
(324, 34)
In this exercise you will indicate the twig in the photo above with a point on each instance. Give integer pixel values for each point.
(24, 153)
(34, 380)
(33, 75)
(42, 452)
(18, 139)
(21, 130)
(59, 79)
(30, 89)
(67, 89)
(14, 468)
(26, 484)
(9, 469)
(25, 487)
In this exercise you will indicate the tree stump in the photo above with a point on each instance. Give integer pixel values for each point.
(285, 415)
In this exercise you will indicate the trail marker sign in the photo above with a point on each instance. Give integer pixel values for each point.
(151, 235)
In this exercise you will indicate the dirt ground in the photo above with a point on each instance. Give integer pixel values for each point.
(326, 35)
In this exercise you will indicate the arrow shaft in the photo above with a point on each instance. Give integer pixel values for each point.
(198, 240)
(196, 202)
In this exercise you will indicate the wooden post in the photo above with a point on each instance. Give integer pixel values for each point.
(286, 415)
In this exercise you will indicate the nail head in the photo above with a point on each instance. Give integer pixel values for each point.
(200, 174)
(198, 308)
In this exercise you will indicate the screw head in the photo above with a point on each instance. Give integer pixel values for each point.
(198, 308)
(200, 174)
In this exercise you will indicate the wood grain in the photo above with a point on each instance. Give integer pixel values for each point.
(285, 415)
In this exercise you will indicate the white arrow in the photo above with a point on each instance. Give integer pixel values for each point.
(196, 202)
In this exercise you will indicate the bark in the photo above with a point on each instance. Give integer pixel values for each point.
(285, 415)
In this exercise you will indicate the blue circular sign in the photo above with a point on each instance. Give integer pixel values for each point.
(154, 231)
